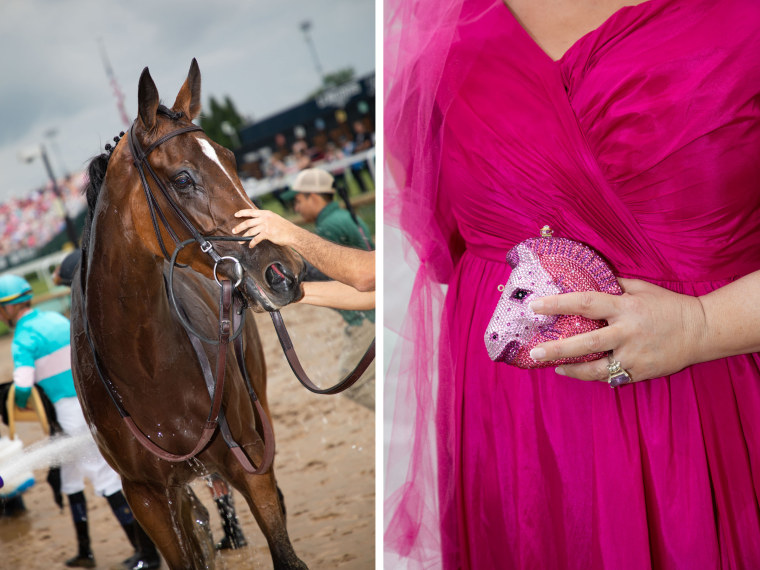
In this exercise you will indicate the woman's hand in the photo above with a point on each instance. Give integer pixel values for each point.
(265, 225)
(652, 331)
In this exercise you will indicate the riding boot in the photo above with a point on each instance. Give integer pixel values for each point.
(12, 507)
(146, 556)
(233, 534)
(84, 558)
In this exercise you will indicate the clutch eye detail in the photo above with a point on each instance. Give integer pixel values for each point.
(519, 294)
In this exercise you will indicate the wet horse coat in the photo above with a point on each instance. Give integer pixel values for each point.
(120, 301)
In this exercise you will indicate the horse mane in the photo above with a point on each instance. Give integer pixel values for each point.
(96, 173)
(573, 266)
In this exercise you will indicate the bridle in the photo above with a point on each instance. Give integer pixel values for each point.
(232, 310)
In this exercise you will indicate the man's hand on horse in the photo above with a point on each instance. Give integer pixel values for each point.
(265, 225)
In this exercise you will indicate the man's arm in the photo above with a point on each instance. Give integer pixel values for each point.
(354, 267)
(337, 295)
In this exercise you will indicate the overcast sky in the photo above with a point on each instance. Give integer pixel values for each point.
(52, 76)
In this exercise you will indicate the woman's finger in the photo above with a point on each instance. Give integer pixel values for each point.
(590, 304)
(599, 340)
(588, 371)
(633, 286)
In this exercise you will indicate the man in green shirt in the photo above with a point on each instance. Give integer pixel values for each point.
(313, 195)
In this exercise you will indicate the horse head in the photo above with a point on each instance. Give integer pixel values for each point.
(513, 324)
(183, 187)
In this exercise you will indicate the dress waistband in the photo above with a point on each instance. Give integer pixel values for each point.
(496, 256)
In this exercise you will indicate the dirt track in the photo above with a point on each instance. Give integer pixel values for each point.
(325, 467)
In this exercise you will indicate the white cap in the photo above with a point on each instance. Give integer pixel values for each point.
(314, 180)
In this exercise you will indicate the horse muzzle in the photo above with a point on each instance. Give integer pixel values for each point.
(500, 347)
(280, 279)
(279, 287)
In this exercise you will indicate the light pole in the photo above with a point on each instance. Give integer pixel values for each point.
(231, 132)
(28, 157)
(305, 27)
(51, 135)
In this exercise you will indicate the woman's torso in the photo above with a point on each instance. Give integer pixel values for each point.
(643, 140)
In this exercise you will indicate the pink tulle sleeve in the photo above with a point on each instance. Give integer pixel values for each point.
(418, 36)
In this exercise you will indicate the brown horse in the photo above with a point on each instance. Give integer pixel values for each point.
(165, 183)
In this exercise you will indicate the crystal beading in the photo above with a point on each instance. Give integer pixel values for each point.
(541, 267)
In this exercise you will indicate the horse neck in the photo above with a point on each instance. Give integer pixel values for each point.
(123, 276)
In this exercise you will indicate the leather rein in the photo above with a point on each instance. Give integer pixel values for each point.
(232, 310)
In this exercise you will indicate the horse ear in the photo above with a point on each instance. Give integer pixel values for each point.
(521, 253)
(513, 257)
(147, 100)
(189, 97)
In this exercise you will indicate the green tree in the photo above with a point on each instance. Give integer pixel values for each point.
(221, 122)
(334, 79)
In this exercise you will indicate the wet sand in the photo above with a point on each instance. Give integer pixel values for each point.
(325, 467)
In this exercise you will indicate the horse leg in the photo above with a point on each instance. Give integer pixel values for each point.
(281, 496)
(264, 500)
(176, 521)
(195, 521)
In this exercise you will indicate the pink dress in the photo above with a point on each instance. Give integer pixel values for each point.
(643, 141)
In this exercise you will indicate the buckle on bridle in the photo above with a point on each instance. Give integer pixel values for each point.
(206, 247)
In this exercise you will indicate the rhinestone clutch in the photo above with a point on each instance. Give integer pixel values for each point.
(545, 266)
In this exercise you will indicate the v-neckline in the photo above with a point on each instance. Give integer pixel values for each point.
(612, 17)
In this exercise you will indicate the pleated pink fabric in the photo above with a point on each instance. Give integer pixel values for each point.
(643, 141)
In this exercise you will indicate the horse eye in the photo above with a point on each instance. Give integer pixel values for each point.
(182, 181)
(519, 294)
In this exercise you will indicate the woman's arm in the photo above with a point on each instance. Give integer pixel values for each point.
(653, 331)
(732, 319)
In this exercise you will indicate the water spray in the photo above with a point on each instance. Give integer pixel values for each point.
(18, 463)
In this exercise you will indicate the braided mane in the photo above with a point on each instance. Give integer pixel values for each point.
(96, 173)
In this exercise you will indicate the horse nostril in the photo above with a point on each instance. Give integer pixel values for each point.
(278, 279)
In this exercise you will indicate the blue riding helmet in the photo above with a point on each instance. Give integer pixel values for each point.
(14, 289)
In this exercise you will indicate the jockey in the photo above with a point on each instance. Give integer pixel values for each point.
(42, 355)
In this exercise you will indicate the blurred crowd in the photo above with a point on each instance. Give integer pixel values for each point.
(285, 157)
(33, 220)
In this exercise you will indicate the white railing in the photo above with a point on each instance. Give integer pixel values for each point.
(256, 188)
(42, 267)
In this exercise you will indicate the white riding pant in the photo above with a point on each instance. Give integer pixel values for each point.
(88, 463)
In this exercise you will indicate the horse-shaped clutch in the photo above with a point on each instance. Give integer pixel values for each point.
(540, 267)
